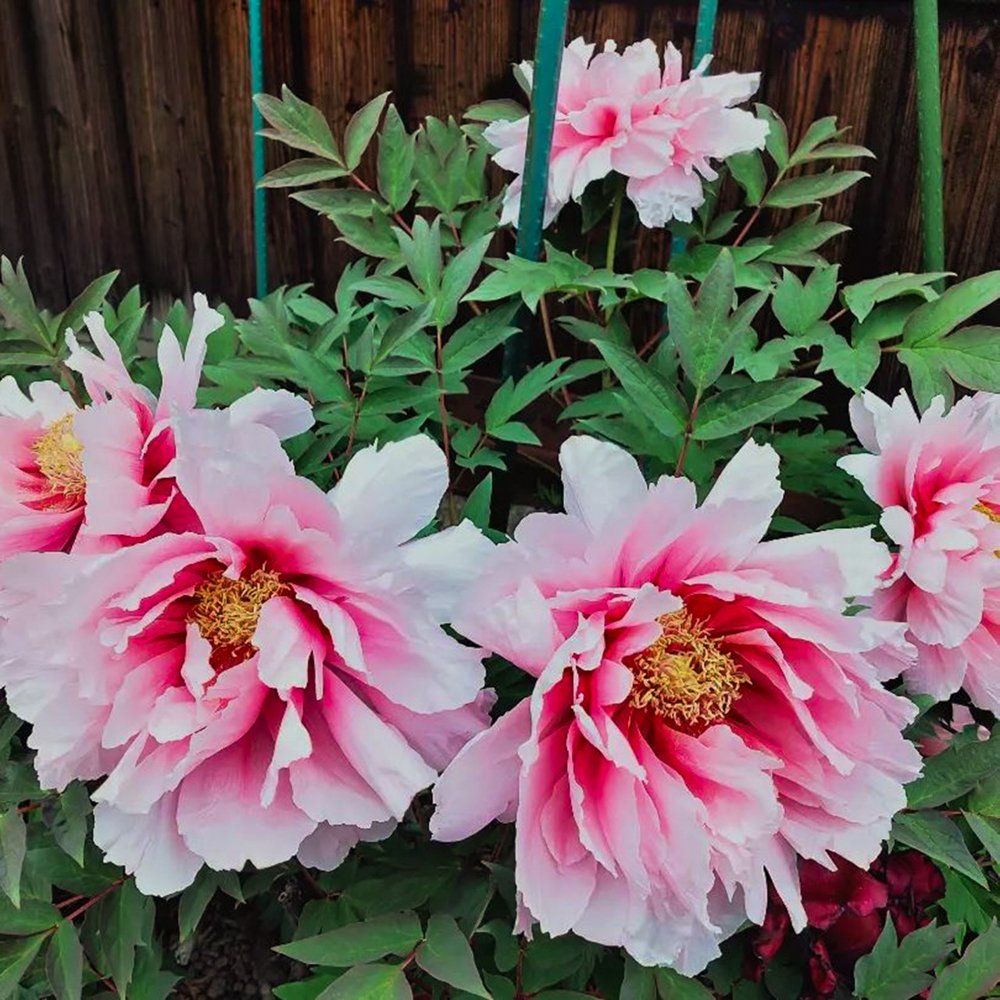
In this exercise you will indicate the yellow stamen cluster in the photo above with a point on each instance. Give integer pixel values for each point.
(684, 677)
(991, 512)
(59, 456)
(226, 612)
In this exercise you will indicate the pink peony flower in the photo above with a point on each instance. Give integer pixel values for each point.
(704, 713)
(622, 112)
(937, 479)
(274, 683)
(41, 472)
(97, 476)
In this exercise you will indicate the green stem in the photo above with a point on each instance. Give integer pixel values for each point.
(616, 217)
(926, 42)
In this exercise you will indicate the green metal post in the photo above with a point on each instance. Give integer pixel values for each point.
(925, 32)
(544, 90)
(260, 195)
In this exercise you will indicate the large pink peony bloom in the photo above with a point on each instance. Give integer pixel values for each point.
(703, 712)
(937, 478)
(99, 476)
(274, 683)
(625, 113)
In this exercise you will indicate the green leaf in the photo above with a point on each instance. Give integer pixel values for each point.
(64, 963)
(836, 151)
(361, 128)
(971, 357)
(507, 948)
(400, 329)
(70, 825)
(297, 124)
(301, 172)
(122, 921)
(737, 409)
(422, 253)
(819, 131)
(937, 318)
(777, 135)
(445, 954)
(964, 902)
(639, 982)
(795, 245)
(796, 306)
(862, 297)
(673, 986)
(954, 772)
(515, 432)
(365, 941)
(928, 378)
(17, 306)
(478, 505)
(457, 277)
(984, 799)
(496, 111)
(306, 989)
(548, 961)
(748, 171)
(478, 337)
(988, 832)
(89, 300)
(194, 900)
(337, 202)
(892, 972)
(369, 982)
(659, 400)
(33, 915)
(812, 188)
(396, 151)
(13, 846)
(15, 957)
(939, 838)
(975, 974)
(704, 336)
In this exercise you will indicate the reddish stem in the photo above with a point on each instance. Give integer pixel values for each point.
(367, 187)
(95, 899)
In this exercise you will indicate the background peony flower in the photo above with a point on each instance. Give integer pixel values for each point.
(41, 471)
(275, 683)
(622, 112)
(937, 479)
(703, 712)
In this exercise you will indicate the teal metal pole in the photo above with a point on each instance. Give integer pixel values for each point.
(259, 194)
(925, 33)
(549, 47)
(704, 42)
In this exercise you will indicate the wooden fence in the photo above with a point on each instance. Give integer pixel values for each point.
(125, 135)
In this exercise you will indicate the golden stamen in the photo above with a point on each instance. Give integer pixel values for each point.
(990, 511)
(59, 456)
(226, 612)
(684, 677)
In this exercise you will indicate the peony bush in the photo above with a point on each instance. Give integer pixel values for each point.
(663, 664)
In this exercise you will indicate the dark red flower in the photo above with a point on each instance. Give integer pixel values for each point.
(822, 977)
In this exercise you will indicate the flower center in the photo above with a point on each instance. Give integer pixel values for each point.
(993, 513)
(59, 456)
(226, 612)
(684, 677)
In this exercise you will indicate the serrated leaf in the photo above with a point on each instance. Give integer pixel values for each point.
(361, 128)
(807, 190)
(369, 982)
(15, 957)
(892, 972)
(935, 319)
(13, 847)
(975, 974)
(661, 402)
(445, 954)
(297, 124)
(777, 135)
(952, 773)
(796, 306)
(735, 410)
(748, 171)
(939, 838)
(396, 151)
(364, 941)
(64, 963)
(299, 173)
